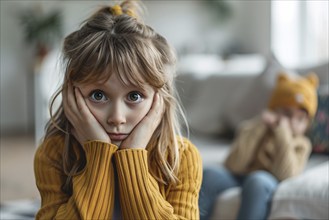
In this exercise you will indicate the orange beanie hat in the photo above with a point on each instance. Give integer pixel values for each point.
(300, 93)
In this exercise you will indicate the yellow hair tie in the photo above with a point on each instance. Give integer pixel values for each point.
(116, 10)
(131, 13)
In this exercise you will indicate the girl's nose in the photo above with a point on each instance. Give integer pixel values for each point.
(116, 115)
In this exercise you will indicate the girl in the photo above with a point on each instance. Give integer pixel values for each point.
(113, 148)
(268, 149)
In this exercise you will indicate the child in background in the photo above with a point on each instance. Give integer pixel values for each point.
(268, 149)
(113, 149)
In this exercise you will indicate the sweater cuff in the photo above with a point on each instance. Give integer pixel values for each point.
(97, 154)
(99, 147)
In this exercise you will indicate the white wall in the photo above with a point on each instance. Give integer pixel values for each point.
(16, 73)
(188, 25)
(253, 28)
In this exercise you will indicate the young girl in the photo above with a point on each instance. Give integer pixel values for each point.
(113, 148)
(268, 149)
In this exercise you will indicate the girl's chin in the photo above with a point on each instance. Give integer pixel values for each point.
(117, 143)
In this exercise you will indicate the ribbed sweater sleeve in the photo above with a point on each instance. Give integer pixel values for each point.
(93, 187)
(140, 196)
(244, 147)
(292, 153)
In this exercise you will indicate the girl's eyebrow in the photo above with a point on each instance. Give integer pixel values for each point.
(97, 83)
(94, 85)
(102, 85)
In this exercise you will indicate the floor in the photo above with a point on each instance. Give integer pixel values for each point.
(17, 176)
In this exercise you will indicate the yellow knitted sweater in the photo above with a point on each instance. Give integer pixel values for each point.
(141, 195)
(276, 151)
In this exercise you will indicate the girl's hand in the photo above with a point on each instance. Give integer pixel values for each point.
(270, 118)
(284, 121)
(85, 125)
(142, 133)
(285, 125)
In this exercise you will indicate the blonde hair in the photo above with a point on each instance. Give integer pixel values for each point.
(119, 43)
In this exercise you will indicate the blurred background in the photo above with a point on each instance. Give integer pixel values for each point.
(205, 34)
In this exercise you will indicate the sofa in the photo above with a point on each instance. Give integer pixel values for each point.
(218, 97)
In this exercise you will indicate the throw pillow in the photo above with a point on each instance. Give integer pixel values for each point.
(319, 129)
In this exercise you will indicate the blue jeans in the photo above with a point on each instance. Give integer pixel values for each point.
(257, 192)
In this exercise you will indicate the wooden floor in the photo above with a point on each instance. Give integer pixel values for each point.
(16, 160)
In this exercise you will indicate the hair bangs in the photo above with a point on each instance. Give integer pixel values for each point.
(91, 62)
(135, 60)
(135, 64)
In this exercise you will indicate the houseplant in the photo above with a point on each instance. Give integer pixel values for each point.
(42, 30)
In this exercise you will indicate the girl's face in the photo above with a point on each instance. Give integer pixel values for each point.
(117, 107)
(298, 119)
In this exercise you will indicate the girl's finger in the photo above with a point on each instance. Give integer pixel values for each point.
(158, 104)
(155, 103)
(71, 100)
(157, 109)
(81, 103)
(68, 106)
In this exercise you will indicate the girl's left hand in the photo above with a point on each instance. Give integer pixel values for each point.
(142, 133)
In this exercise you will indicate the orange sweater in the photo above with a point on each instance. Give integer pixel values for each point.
(141, 195)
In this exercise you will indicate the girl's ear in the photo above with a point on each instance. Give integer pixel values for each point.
(282, 77)
(313, 79)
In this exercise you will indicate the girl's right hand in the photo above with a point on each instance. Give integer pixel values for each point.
(85, 127)
(270, 118)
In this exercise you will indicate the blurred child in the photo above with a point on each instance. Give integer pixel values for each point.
(268, 149)
(113, 149)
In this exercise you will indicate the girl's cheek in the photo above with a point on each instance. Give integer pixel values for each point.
(136, 115)
(138, 112)
(91, 107)
(98, 111)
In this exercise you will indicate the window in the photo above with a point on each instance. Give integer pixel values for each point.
(299, 32)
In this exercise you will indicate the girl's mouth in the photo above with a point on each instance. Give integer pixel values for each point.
(117, 136)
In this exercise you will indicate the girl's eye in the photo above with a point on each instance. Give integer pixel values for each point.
(135, 97)
(98, 96)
